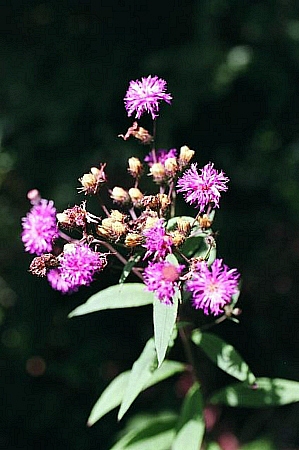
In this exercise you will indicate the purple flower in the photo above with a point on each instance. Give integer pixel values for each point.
(204, 187)
(212, 287)
(78, 265)
(157, 242)
(162, 279)
(40, 228)
(144, 96)
(161, 155)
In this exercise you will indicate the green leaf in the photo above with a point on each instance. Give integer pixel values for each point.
(112, 396)
(164, 321)
(265, 392)
(147, 432)
(128, 267)
(118, 296)
(140, 374)
(223, 355)
(191, 425)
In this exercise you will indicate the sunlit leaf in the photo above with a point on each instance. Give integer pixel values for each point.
(164, 321)
(154, 432)
(129, 266)
(224, 355)
(112, 396)
(263, 393)
(191, 425)
(140, 374)
(126, 295)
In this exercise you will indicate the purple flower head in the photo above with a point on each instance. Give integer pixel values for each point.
(144, 96)
(157, 242)
(161, 155)
(78, 265)
(162, 279)
(40, 228)
(212, 287)
(204, 187)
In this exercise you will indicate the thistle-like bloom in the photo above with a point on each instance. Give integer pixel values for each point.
(162, 278)
(78, 265)
(144, 96)
(40, 228)
(212, 287)
(157, 242)
(204, 187)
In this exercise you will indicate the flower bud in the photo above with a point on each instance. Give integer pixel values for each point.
(171, 166)
(135, 194)
(185, 155)
(118, 228)
(205, 221)
(164, 201)
(119, 195)
(117, 216)
(178, 238)
(150, 222)
(157, 170)
(135, 167)
(133, 239)
(183, 226)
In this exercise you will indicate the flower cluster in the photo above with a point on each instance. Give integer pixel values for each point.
(173, 252)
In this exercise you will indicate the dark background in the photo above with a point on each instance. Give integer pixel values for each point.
(232, 68)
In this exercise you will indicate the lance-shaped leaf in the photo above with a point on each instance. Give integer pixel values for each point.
(191, 425)
(164, 321)
(127, 295)
(112, 396)
(140, 374)
(263, 393)
(224, 355)
(153, 432)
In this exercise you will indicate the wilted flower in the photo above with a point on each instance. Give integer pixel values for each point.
(162, 279)
(212, 287)
(157, 242)
(92, 181)
(144, 96)
(204, 187)
(119, 195)
(40, 228)
(78, 265)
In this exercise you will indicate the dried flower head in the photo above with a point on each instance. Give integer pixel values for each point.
(135, 195)
(139, 133)
(185, 155)
(157, 170)
(40, 264)
(202, 188)
(212, 287)
(144, 96)
(73, 217)
(92, 181)
(135, 167)
(119, 195)
(40, 228)
(133, 239)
